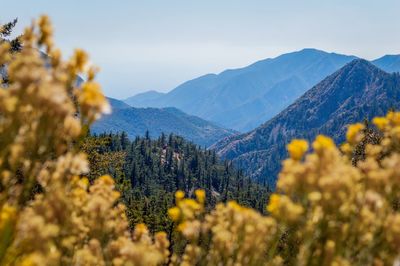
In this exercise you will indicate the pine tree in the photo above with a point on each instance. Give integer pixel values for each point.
(150, 171)
(15, 46)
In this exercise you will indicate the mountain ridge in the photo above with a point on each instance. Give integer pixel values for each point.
(234, 100)
(223, 97)
(388, 63)
(136, 121)
(357, 91)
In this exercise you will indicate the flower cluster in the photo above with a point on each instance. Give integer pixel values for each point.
(49, 212)
(326, 211)
(229, 235)
(345, 215)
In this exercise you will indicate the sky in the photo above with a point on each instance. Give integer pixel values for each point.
(159, 44)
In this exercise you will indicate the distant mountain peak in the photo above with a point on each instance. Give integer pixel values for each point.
(358, 91)
(149, 92)
(312, 50)
(359, 65)
(359, 62)
(243, 98)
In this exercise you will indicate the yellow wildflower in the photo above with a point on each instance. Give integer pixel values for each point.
(107, 180)
(4, 55)
(55, 57)
(322, 143)
(46, 32)
(84, 182)
(380, 122)
(273, 205)
(181, 227)
(190, 203)
(179, 195)
(174, 213)
(7, 213)
(346, 148)
(80, 59)
(330, 246)
(395, 118)
(314, 196)
(141, 228)
(92, 73)
(352, 132)
(297, 148)
(91, 93)
(200, 195)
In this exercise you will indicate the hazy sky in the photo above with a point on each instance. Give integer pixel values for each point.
(158, 44)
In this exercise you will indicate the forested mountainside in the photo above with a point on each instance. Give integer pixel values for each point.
(356, 92)
(244, 98)
(149, 172)
(137, 121)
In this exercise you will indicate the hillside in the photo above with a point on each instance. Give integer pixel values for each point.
(136, 121)
(246, 97)
(149, 172)
(388, 63)
(356, 92)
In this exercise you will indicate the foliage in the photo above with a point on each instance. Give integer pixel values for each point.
(103, 157)
(69, 221)
(326, 211)
(148, 172)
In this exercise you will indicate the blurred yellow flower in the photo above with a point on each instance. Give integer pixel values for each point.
(323, 143)
(297, 148)
(182, 226)
(380, 122)
(200, 195)
(352, 132)
(80, 59)
(273, 205)
(346, 148)
(174, 213)
(107, 179)
(179, 195)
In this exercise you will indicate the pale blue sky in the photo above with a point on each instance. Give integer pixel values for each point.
(157, 44)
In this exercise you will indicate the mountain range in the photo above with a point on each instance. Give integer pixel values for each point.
(244, 98)
(358, 91)
(136, 121)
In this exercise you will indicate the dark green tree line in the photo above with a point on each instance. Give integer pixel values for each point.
(149, 172)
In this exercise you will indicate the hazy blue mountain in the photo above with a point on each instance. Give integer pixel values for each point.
(358, 91)
(143, 99)
(117, 104)
(389, 63)
(244, 98)
(136, 121)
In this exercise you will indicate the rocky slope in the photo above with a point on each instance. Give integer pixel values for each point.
(356, 92)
